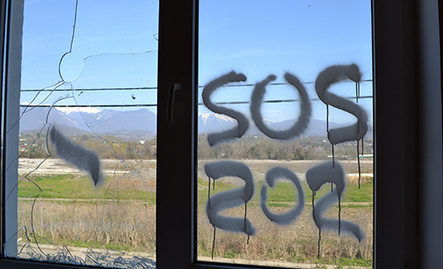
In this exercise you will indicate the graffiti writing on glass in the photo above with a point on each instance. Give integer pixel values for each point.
(327, 172)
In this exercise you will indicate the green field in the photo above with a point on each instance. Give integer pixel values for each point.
(284, 194)
(80, 187)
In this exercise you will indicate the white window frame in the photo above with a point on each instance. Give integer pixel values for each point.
(408, 134)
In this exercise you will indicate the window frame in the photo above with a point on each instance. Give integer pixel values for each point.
(402, 35)
(395, 58)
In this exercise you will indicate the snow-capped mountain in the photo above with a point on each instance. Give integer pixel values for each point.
(211, 122)
(36, 118)
(106, 121)
(132, 124)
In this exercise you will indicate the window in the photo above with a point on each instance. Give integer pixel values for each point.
(86, 131)
(273, 135)
(408, 184)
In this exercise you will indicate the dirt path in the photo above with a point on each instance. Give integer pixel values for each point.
(133, 258)
(58, 166)
(93, 257)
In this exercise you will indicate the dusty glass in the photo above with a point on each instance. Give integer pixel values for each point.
(285, 141)
(87, 142)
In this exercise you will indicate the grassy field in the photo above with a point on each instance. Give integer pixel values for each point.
(284, 194)
(120, 215)
(69, 186)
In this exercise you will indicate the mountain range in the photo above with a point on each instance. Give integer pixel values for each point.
(129, 124)
(141, 124)
(210, 122)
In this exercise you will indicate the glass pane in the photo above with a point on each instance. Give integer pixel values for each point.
(285, 149)
(87, 142)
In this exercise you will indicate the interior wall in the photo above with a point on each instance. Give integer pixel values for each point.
(430, 132)
(12, 97)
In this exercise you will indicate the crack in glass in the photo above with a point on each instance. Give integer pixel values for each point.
(121, 213)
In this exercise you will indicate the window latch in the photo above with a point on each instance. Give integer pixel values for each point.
(175, 90)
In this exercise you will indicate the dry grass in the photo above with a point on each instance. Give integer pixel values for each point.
(295, 243)
(111, 224)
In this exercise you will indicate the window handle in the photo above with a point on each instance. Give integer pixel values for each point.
(175, 90)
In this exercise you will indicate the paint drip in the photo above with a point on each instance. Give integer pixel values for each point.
(213, 243)
(209, 190)
(358, 160)
(319, 229)
(339, 214)
(246, 212)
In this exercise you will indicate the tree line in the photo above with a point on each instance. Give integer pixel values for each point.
(32, 145)
(249, 147)
(261, 148)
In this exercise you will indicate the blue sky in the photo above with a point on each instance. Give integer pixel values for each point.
(267, 36)
(114, 46)
(257, 38)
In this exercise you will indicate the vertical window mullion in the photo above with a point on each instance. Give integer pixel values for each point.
(176, 136)
(396, 242)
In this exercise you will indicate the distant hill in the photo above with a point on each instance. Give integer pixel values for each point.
(142, 123)
(35, 118)
(211, 122)
(133, 123)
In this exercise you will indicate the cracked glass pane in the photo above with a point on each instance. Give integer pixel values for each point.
(87, 133)
(285, 143)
